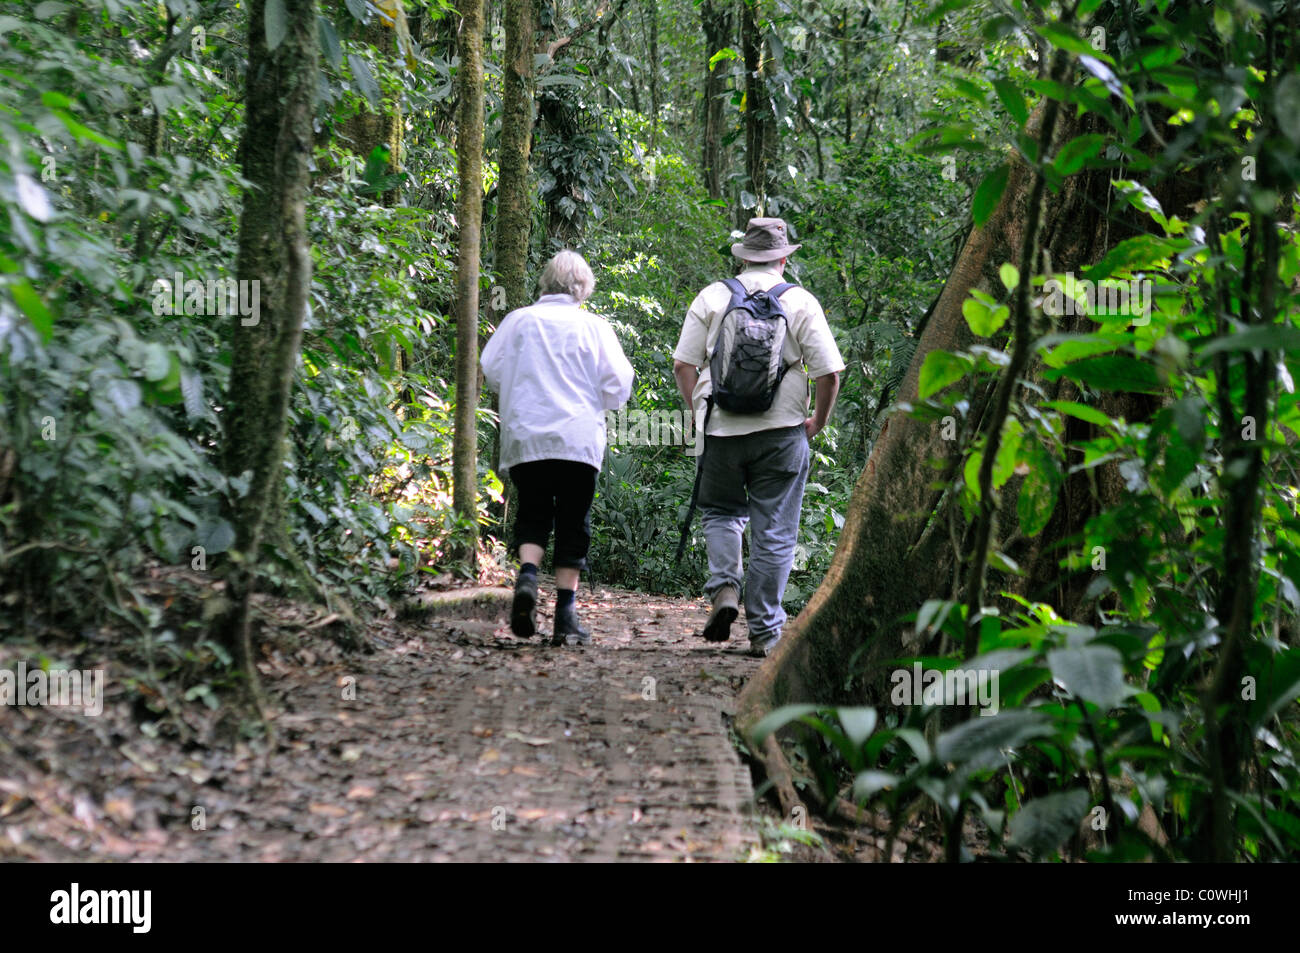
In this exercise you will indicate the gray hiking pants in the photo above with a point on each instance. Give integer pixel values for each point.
(756, 478)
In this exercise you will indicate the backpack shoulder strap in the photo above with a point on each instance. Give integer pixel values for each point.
(777, 290)
(735, 287)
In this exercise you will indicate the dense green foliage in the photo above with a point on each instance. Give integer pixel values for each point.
(1158, 693)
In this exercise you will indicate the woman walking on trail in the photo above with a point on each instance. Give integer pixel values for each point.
(557, 369)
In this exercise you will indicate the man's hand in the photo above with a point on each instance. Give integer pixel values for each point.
(827, 388)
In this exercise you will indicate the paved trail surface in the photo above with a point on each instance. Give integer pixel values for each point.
(452, 741)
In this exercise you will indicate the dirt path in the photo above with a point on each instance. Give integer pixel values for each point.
(452, 741)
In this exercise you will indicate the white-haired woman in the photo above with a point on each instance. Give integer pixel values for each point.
(557, 369)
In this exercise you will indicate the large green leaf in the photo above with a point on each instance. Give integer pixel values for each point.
(1094, 673)
(989, 193)
(364, 79)
(858, 723)
(775, 721)
(1045, 823)
(1012, 100)
(940, 369)
(1037, 496)
(983, 734)
(1142, 252)
(277, 24)
(1118, 372)
(1268, 337)
(1076, 153)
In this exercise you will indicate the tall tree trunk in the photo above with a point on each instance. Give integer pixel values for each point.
(514, 205)
(651, 10)
(716, 18)
(514, 201)
(469, 215)
(274, 252)
(847, 86)
(760, 120)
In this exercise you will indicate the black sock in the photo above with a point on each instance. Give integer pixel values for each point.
(564, 598)
(528, 569)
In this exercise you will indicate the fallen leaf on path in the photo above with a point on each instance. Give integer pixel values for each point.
(527, 739)
(328, 810)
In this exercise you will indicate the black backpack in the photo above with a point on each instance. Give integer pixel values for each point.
(746, 367)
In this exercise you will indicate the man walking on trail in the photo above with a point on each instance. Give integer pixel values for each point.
(754, 464)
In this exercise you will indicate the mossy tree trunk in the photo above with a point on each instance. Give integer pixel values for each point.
(760, 119)
(469, 216)
(716, 19)
(514, 203)
(274, 251)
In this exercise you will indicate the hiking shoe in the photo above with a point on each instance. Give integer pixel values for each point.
(568, 631)
(762, 648)
(725, 610)
(523, 611)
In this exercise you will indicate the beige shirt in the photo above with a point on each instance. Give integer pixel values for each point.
(809, 346)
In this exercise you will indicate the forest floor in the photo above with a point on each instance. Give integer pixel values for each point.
(449, 740)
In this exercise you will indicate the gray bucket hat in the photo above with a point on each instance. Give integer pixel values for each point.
(765, 240)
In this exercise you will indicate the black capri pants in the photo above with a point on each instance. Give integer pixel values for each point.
(555, 494)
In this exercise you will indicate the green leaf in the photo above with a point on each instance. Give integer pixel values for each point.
(1266, 337)
(778, 719)
(1060, 37)
(1094, 673)
(157, 362)
(358, 9)
(858, 723)
(30, 303)
(989, 193)
(215, 537)
(82, 132)
(939, 370)
(1075, 153)
(1010, 275)
(968, 90)
(124, 395)
(1037, 499)
(724, 54)
(277, 24)
(329, 42)
(971, 471)
(1045, 823)
(192, 393)
(983, 319)
(365, 80)
(985, 734)
(868, 783)
(1142, 252)
(1082, 411)
(1116, 372)
(318, 514)
(1075, 347)
(1008, 449)
(1011, 98)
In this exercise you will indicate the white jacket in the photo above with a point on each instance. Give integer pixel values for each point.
(557, 369)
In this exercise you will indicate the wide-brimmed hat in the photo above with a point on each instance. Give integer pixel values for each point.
(765, 240)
